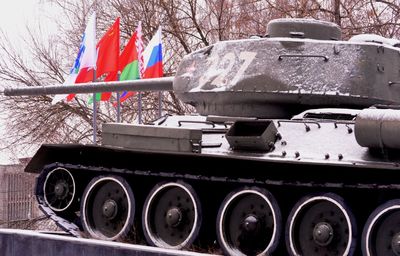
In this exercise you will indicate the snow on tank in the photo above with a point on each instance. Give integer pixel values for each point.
(373, 38)
(300, 64)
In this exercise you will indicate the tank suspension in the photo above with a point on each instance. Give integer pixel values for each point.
(381, 234)
(171, 215)
(249, 222)
(108, 208)
(321, 225)
(59, 189)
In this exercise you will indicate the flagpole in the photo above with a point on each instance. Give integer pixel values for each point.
(94, 94)
(94, 112)
(139, 48)
(140, 107)
(118, 101)
(159, 104)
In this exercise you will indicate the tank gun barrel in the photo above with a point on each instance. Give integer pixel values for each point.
(153, 84)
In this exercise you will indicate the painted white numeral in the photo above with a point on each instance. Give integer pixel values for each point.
(248, 57)
(219, 70)
(212, 64)
(221, 79)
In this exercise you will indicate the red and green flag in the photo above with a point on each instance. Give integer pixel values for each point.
(130, 61)
(129, 65)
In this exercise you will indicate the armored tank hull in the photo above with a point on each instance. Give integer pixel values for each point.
(253, 174)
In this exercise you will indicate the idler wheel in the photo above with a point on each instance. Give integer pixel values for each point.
(321, 225)
(381, 234)
(171, 215)
(59, 189)
(108, 208)
(249, 222)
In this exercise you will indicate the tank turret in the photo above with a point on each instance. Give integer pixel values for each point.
(300, 64)
(295, 151)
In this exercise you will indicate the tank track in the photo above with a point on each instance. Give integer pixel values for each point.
(73, 227)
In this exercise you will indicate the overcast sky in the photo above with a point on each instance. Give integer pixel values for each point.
(15, 15)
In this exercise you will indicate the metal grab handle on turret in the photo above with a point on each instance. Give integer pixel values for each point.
(195, 122)
(298, 121)
(394, 83)
(302, 56)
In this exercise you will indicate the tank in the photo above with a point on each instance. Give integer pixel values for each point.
(294, 151)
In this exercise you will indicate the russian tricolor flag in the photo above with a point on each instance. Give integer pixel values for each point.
(152, 56)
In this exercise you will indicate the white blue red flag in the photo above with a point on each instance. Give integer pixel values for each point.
(152, 55)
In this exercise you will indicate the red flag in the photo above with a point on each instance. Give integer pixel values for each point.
(112, 76)
(108, 51)
(108, 57)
